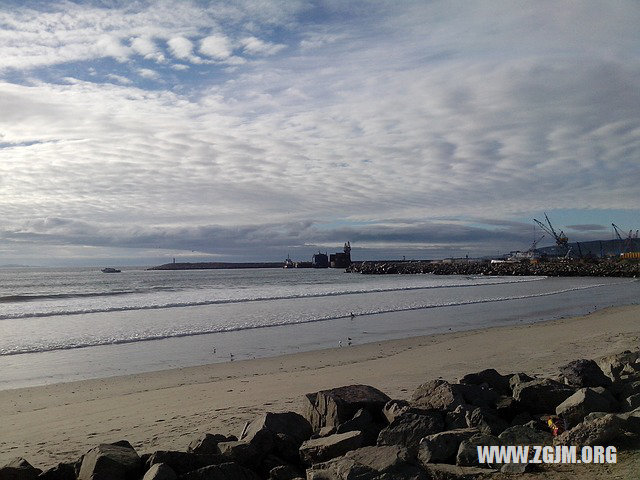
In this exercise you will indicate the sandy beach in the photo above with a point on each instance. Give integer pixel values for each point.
(166, 409)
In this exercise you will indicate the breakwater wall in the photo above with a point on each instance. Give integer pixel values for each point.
(550, 269)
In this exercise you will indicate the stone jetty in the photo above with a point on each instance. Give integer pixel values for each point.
(358, 432)
(559, 268)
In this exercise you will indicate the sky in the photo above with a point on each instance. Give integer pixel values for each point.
(134, 132)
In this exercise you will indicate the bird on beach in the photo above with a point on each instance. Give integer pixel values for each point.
(352, 315)
(349, 341)
(231, 356)
(340, 343)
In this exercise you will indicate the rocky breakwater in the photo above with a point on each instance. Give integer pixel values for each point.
(568, 268)
(358, 432)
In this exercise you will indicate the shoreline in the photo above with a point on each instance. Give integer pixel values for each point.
(166, 409)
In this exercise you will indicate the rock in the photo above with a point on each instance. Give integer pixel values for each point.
(543, 395)
(631, 403)
(241, 452)
(206, 443)
(183, 462)
(525, 435)
(394, 408)
(486, 420)
(518, 378)
(322, 449)
(111, 462)
(224, 471)
(443, 471)
(468, 450)
(442, 395)
(491, 378)
(408, 429)
(609, 429)
(160, 471)
(623, 389)
(516, 468)
(62, 471)
(282, 433)
(19, 469)
(584, 373)
(362, 422)
(508, 408)
(336, 406)
(324, 432)
(613, 366)
(369, 463)
(456, 419)
(442, 447)
(285, 472)
(584, 401)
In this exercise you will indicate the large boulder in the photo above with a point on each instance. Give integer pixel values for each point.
(242, 453)
(111, 462)
(468, 450)
(443, 471)
(542, 395)
(160, 471)
(614, 366)
(369, 463)
(62, 471)
(362, 422)
(408, 429)
(584, 373)
(224, 471)
(584, 401)
(490, 378)
(279, 433)
(207, 443)
(19, 469)
(486, 420)
(442, 447)
(607, 429)
(518, 378)
(394, 408)
(322, 449)
(184, 462)
(285, 472)
(525, 435)
(442, 395)
(336, 406)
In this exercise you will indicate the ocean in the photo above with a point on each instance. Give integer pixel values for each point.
(61, 325)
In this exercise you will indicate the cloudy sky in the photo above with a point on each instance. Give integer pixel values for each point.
(137, 131)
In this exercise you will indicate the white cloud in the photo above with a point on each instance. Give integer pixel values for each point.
(255, 46)
(148, 73)
(181, 47)
(216, 46)
(119, 79)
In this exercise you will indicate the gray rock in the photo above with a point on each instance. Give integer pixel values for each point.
(543, 395)
(206, 443)
(486, 420)
(442, 447)
(584, 401)
(632, 402)
(457, 418)
(322, 449)
(491, 378)
(525, 435)
(508, 408)
(183, 462)
(285, 472)
(362, 422)
(443, 471)
(224, 471)
(369, 463)
(609, 429)
(468, 451)
(584, 373)
(437, 395)
(408, 429)
(62, 471)
(288, 423)
(241, 452)
(111, 462)
(160, 471)
(19, 469)
(394, 408)
(516, 468)
(336, 406)
(613, 366)
(324, 432)
(518, 378)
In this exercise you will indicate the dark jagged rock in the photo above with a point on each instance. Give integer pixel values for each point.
(584, 401)
(443, 471)
(363, 422)
(486, 420)
(614, 366)
(285, 472)
(370, 463)
(329, 408)
(525, 435)
(280, 433)
(609, 429)
(584, 373)
(206, 443)
(223, 471)
(160, 471)
(543, 395)
(62, 471)
(442, 447)
(408, 429)
(111, 462)
(322, 449)
(468, 452)
(442, 395)
(183, 462)
(242, 453)
(458, 418)
(491, 378)
(19, 469)
(394, 408)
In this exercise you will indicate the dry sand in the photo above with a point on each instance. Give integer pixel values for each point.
(165, 410)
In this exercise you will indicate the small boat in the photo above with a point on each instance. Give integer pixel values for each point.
(110, 270)
(288, 263)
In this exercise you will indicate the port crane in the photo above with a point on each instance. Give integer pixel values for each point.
(561, 239)
(628, 241)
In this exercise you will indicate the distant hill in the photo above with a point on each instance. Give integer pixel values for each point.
(597, 248)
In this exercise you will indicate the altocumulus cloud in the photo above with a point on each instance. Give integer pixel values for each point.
(266, 126)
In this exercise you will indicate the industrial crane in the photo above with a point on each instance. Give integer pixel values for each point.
(626, 242)
(561, 239)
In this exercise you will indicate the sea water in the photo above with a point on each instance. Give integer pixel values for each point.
(70, 324)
